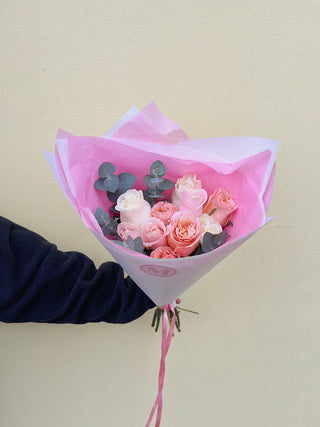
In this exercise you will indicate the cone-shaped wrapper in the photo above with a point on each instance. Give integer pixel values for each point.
(243, 165)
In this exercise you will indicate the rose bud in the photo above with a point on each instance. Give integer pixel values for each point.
(222, 205)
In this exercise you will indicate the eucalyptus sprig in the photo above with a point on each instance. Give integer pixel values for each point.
(213, 241)
(135, 245)
(155, 182)
(114, 185)
(108, 225)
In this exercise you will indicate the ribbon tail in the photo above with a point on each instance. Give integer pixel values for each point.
(165, 344)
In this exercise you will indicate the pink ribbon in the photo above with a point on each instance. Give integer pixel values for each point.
(165, 344)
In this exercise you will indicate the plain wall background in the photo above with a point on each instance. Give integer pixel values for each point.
(218, 68)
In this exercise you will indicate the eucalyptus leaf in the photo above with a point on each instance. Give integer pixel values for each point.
(105, 230)
(151, 191)
(197, 251)
(121, 243)
(101, 216)
(149, 183)
(212, 241)
(126, 181)
(113, 197)
(166, 184)
(135, 244)
(156, 196)
(110, 227)
(112, 183)
(138, 245)
(113, 209)
(100, 184)
(106, 169)
(156, 181)
(130, 243)
(157, 169)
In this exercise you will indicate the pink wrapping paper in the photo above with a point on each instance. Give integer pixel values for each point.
(243, 165)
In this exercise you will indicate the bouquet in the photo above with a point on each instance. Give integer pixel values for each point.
(166, 208)
(190, 224)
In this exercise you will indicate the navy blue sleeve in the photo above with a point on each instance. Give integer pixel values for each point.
(39, 283)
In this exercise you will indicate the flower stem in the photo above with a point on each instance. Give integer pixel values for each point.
(189, 311)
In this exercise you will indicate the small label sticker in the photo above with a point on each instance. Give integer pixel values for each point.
(158, 270)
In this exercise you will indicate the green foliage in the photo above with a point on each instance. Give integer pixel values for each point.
(212, 241)
(114, 185)
(155, 182)
(107, 224)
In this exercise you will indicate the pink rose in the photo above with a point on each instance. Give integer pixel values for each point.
(164, 252)
(223, 203)
(184, 232)
(191, 202)
(126, 229)
(153, 233)
(164, 211)
(133, 208)
(188, 182)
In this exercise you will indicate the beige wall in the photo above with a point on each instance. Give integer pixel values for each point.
(218, 68)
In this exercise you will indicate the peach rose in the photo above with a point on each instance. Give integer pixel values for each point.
(191, 202)
(164, 211)
(184, 232)
(223, 203)
(164, 252)
(188, 182)
(133, 208)
(126, 229)
(209, 225)
(153, 233)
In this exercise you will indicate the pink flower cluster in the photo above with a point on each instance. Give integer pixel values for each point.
(175, 229)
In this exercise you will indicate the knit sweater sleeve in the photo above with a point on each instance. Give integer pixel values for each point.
(39, 283)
